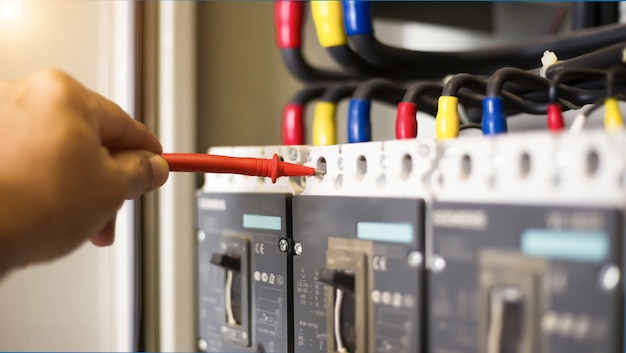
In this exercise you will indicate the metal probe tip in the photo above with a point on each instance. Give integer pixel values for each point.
(320, 172)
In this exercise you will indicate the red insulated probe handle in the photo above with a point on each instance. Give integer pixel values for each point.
(208, 163)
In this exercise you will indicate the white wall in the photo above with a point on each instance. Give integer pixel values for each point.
(82, 302)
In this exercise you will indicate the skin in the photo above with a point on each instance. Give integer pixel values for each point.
(69, 159)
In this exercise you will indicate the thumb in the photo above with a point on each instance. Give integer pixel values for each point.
(144, 171)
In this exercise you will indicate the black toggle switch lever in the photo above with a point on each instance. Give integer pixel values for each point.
(228, 262)
(340, 279)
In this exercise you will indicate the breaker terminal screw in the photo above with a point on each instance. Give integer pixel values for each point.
(283, 245)
(609, 277)
(340, 163)
(293, 154)
(201, 236)
(383, 162)
(202, 345)
(439, 264)
(297, 248)
(414, 259)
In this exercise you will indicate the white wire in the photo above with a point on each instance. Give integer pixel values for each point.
(578, 123)
(337, 321)
(230, 317)
(581, 118)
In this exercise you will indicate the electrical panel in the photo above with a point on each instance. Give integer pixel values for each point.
(358, 273)
(245, 261)
(444, 242)
(528, 245)
(468, 245)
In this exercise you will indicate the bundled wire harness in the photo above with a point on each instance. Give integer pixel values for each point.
(427, 65)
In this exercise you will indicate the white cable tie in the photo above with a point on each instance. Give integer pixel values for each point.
(549, 58)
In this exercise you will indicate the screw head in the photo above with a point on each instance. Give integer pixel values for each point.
(383, 161)
(439, 264)
(340, 163)
(202, 345)
(414, 259)
(297, 248)
(424, 150)
(609, 277)
(308, 155)
(201, 236)
(293, 154)
(283, 245)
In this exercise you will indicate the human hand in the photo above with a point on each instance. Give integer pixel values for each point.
(69, 158)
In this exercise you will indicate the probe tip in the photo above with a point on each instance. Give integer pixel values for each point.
(320, 172)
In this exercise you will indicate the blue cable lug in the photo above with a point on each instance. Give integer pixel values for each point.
(357, 17)
(494, 121)
(359, 124)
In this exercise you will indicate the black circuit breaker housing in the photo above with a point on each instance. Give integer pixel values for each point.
(244, 272)
(358, 274)
(526, 279)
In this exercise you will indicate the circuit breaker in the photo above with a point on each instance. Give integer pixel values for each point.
(525, 278)
(528, 245)
(244, 263)
(359, 235)
(358, 276)
(245, 260)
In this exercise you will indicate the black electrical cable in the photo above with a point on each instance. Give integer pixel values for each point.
(353, 63)
(303, 71)
(610, 80)
(575, 95)
(391, 93)
(576, 73)
(600, 59)
(292, 124)
(470, 100)
(513, 103)
(467, 126)
(380, 89)
(608, 13)
(377, 89)
(307, 94)
(426, 65)
(338, 92)
(592, 108)
(584, 15)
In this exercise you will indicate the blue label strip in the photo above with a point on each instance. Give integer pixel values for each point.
(262, 222)
(584, 246)
(390, 232)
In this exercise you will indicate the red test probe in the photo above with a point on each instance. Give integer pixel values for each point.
(263, 167)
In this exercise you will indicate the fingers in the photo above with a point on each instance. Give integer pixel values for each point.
(144, 171)
(116, 129)
(106, 236)
(119, 131)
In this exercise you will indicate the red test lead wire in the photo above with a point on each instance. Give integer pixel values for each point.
(263, 167)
